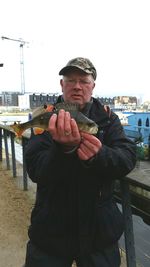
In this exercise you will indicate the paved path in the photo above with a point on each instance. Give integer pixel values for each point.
(142, 241)
(15, 208)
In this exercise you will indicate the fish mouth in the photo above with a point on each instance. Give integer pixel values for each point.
(91, 129)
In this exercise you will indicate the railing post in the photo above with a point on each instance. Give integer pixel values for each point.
(25, 176)
(1, 157)
(6, 148)
(12, 137)
(128, 233)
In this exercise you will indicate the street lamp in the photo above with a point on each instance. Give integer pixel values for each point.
(22, 43)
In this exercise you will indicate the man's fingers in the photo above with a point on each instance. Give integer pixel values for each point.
(91, 138)
(64, 129)
(67, 124)
(52, 123)
(75, 129)
(60, 122)
(89, 146)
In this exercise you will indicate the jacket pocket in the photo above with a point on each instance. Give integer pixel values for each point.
(109, 224)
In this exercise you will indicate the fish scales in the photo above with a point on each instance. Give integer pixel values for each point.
(84, 123)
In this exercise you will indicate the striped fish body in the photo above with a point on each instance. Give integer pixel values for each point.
(42, 120)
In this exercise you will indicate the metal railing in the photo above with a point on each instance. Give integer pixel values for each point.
(123, 195)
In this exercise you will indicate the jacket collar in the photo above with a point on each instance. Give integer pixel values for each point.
(98, 113)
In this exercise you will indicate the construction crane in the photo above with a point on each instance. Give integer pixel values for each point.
(22, 43)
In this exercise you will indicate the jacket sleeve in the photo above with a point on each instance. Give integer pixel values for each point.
(118, 154)
(42, 158)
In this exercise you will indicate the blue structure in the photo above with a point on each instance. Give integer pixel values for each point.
(139, 126)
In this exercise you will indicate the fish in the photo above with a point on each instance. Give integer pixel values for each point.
(38, 111)
(42, 109)
(42, 120)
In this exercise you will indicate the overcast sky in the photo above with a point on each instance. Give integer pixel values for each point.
(113, 34)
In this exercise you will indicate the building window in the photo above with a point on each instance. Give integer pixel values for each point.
(41, 98)
(147, 122)
(34, 97)
(48, 98)
(139, 122)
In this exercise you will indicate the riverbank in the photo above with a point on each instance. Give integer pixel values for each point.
(14, 114)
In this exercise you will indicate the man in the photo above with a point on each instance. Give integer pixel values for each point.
(75, 217)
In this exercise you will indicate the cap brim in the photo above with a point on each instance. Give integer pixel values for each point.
(64, 70)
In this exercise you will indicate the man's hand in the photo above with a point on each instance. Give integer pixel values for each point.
(89, 146)
(64, 129)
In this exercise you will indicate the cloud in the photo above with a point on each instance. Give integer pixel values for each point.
(113, 34)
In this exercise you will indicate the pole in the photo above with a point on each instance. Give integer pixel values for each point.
(22, 69)
(22, 43)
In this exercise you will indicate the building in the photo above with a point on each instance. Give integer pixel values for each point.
(9, 98)
(139, 125)
(24, 102)
(138, 129)
(37, 100)
(31, 101)
(106, 101)
(125, 102)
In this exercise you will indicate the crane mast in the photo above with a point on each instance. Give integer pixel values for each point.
(21, 45)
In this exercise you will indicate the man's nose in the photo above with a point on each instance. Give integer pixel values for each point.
(77, 84)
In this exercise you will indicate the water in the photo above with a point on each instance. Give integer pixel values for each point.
(18, 150)
(7, 120)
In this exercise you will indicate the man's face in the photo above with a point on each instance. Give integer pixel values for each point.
(77, 87)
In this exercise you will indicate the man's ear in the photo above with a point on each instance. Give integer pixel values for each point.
(61, 84)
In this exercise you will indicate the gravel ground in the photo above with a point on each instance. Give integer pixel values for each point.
(15, 208)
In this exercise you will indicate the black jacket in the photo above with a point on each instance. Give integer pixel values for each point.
(74, 206)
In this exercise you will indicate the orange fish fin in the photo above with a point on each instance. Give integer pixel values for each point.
(38, 130)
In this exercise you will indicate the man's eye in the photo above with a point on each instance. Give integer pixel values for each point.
(81, 82)
(70, 81)
(84, 82)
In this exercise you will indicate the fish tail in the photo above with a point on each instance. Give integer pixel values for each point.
(18, 129)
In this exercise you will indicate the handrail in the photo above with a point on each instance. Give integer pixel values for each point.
(123, 191)
(6, 132)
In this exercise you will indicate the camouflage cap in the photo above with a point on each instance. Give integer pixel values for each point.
(81, 63)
